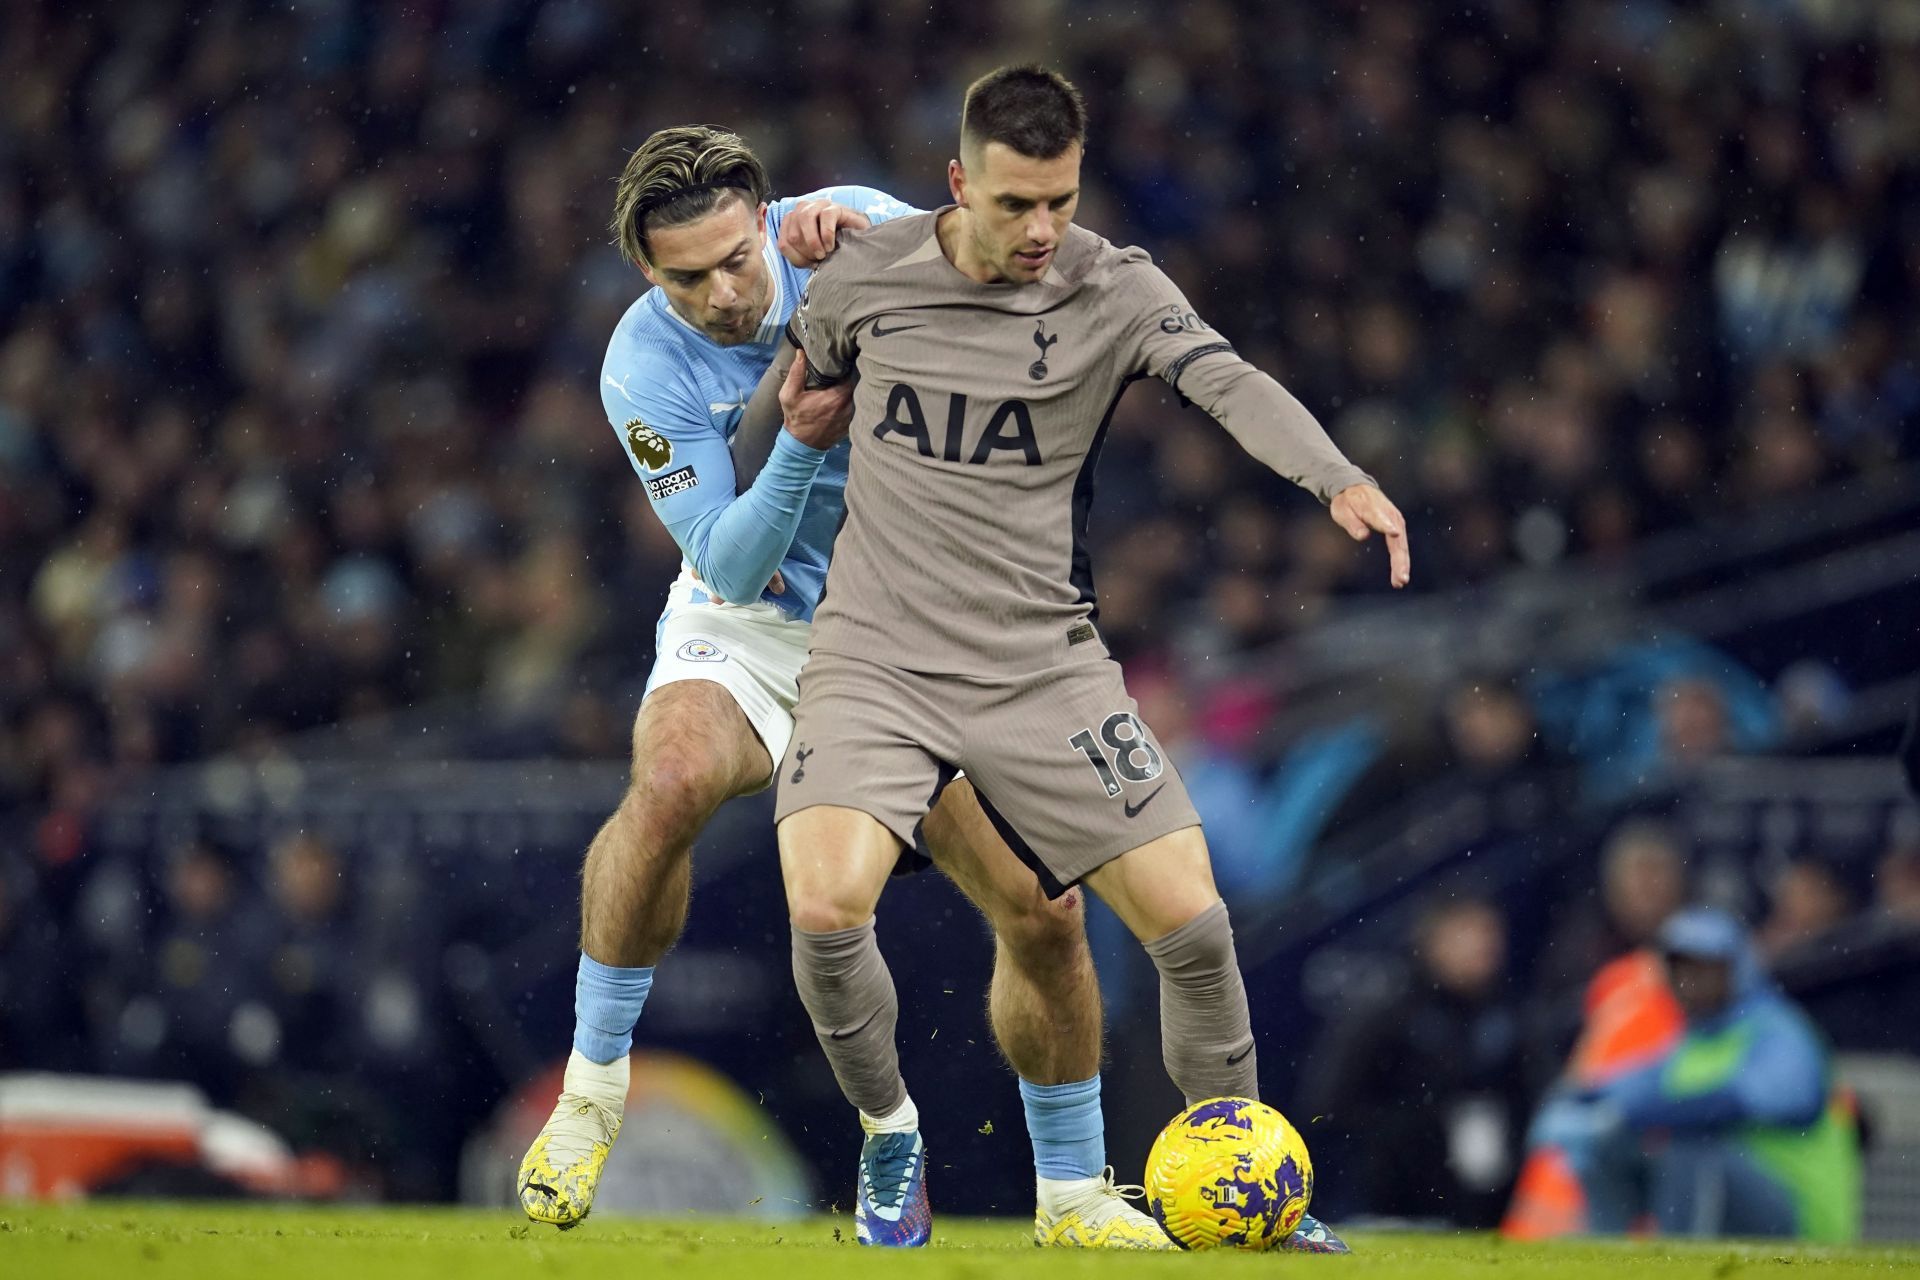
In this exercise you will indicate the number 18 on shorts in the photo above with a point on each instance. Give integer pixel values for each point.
(1063, 764)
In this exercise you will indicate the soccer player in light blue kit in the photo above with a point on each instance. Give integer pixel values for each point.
(691, 212)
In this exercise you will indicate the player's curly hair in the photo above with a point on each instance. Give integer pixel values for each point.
(1034, 110)
(678, 175)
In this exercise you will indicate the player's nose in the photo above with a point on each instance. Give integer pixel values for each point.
(1040, 229)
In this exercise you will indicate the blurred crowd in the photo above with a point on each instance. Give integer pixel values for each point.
(307, 990)
(302, 306)
(1423, 1095)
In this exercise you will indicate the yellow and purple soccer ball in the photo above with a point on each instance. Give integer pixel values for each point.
(1229, 1173)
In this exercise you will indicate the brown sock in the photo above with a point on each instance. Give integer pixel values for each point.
(1206, 1038)
(847, 990)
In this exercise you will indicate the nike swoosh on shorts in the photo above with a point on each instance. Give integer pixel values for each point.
(1133, 810)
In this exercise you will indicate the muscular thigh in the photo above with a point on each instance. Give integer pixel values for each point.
(867, 737)
(1069, 774)
(971, 853)
(834, 861)
(693, 733)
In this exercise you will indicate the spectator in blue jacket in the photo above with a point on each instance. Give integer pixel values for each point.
(1733, 1130)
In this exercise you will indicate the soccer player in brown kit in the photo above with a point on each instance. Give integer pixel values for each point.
(693, 211)
(957, 632)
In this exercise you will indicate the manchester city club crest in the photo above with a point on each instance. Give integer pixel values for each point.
(700, 651)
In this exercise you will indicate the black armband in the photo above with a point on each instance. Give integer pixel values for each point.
(1172, 376)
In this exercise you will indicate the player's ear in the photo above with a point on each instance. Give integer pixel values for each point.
(957, 181)
(760, 219)
(647, 271)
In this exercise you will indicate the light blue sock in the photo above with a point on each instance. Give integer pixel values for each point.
(606, 1003)
(1064, 1121)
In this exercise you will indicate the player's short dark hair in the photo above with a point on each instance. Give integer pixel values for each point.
(1036, 112)
(679, 175)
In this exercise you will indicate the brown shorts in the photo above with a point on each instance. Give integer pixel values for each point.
(1063, 766)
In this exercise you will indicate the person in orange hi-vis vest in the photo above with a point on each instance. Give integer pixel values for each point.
(1701, 1102)
(1630, 1019)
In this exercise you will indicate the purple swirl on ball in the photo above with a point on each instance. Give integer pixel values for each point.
(1231, 1111)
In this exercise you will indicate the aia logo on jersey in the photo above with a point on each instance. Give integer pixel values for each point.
(650, 449)
(1009, 428)
(1038, 369)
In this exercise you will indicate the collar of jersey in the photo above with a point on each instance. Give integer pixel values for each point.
(775, 320)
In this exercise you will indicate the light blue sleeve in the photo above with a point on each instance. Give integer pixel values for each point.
(877, 205)
(735, 543)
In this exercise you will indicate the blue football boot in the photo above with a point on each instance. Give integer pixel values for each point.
(1313, 1236)
(890, 1204)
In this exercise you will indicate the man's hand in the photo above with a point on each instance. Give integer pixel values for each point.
(778, 586)
(818, 419)
(1362, 510)
(811, 229)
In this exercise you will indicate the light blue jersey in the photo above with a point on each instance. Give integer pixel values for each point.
(675, 397)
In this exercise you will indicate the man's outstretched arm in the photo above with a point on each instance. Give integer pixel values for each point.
(1273, 426)
(1175, 345)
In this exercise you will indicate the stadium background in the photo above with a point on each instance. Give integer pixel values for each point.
(326, 596)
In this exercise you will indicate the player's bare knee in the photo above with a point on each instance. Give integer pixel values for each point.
(824, 895)
(672, 796)
(823, 908)
(1046, 934)
(1179, 913)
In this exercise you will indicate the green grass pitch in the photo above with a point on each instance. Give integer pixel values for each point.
(124, 1241)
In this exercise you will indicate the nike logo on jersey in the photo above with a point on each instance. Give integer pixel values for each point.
(1133, 810)
(878, 332)
(715, 407)
(1234, 1058)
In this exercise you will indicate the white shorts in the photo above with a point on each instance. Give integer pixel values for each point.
(753, 651)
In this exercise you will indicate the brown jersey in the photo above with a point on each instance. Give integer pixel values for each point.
(977, 425)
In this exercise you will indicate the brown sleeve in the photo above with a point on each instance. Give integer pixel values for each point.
(819, 326)
(761, 421)
(1269, 423)
(1173, 344)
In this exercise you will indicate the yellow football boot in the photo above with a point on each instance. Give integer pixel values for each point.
(562, 1168)
(1100, 1219)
